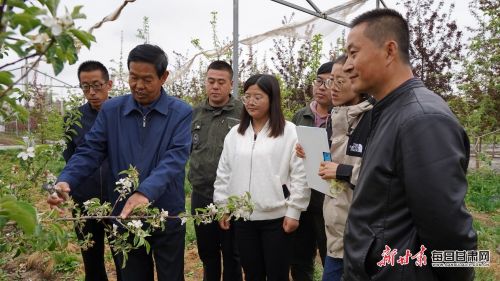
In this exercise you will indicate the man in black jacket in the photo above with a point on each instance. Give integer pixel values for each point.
(412, 184)
(95, 84)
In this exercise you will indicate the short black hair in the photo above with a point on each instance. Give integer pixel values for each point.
(383, 24)
(325, 68)
(221, 65)
(92, 65)
(269, 85)
(150, 54)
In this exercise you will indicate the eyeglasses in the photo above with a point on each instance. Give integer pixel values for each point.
(318, 82)
(330, 82)
(95, 87)
(246, 99)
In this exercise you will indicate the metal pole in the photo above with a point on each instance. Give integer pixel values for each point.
(313, 13)
(378, 4)
(235, 49)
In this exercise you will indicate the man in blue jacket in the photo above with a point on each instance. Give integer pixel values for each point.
(95, 84)
(149, 130)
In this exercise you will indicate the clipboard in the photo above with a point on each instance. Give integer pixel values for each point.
(314, 141)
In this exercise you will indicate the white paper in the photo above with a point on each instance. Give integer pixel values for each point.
(314, 141)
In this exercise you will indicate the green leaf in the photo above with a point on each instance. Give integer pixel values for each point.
(75, 14)
(17, 3)
(83, 36)
(27, 22)
(6, 78)
(18, 47)
(65, 42)
(57, 65)
(22, 213)
(52, 6)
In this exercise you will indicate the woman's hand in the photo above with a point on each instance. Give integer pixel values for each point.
(328, 170)
(224, 222)
(300, 151)
(290, 225)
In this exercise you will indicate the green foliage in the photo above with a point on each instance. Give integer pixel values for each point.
(65, 262)
(34, 31)
(143, 32)
(484, 190)
(488, 234)
(479, 109)
(18, 211)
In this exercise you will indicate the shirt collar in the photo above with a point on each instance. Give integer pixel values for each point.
(160, 104)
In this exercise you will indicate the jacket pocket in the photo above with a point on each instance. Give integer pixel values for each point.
(374, 251)
(196, 135)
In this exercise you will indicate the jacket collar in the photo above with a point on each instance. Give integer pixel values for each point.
(392, 97)
(160, 105)
(396, 93)
(227, 107)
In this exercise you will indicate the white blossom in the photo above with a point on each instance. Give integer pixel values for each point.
(114, 232)
(212, 209)
(183, 220)
(135, 223)
(163, 215)
(66, 20)
(53, 24)
(31, 103)
(29, 153)
(41, 38)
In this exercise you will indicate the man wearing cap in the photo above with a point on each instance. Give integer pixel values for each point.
(310, 236)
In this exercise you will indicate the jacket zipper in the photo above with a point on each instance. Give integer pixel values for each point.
(251, 164)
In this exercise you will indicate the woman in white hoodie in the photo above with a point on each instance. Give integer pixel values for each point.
(259, 158)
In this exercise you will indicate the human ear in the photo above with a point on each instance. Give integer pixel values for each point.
(392, 51)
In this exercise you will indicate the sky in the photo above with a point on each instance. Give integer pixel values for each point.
(174, 23)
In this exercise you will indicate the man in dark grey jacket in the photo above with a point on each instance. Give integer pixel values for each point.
(212, 120)
(412, 184)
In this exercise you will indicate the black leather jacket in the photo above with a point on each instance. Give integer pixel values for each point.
(411, 189)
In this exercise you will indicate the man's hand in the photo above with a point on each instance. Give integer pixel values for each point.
(224, 222)
(133, 201)
(61, 194)
(328, 170)
(290, 225)
(300, 151)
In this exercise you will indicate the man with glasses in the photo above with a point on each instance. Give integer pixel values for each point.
(95, 84)
(310, 236)
(212, 120)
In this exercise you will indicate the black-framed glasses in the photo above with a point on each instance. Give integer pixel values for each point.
(318, 82)
(95, 87)
(330, 82)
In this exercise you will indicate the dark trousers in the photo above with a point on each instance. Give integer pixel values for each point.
(93, 256)
(307, 239)
(212, 241)
(264, 249)
(167, 248)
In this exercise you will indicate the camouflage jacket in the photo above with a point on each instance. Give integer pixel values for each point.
(208, 130)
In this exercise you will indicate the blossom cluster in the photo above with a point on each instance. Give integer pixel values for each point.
(28, 153)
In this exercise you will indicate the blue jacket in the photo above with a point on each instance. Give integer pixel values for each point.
(96, 185)
(157, 143)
